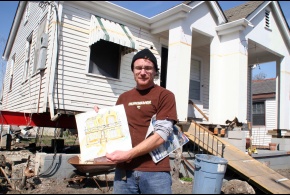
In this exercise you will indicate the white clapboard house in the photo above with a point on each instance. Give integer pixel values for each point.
(264, 110)
(64, 57)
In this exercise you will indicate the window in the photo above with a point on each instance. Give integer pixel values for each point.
(27, 57)
(27, 13)
(267, 18)
(108, 42)
(11, 72)
(105, 59)
(258, 113)
(194, 82)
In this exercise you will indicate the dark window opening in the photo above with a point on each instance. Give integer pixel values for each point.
(105, 59)
(259, 113)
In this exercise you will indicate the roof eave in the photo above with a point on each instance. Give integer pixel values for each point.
(237, 25)
(13, 30)
(281, 18)
(219, 12)
(161, 21)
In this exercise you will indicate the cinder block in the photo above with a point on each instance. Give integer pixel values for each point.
(239, 143)
(53, 165)
(284, 143)
(237, 134)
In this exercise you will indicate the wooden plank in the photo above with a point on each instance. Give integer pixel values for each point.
(269, 182)
(255, 172)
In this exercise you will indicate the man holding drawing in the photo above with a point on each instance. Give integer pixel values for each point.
(135, 171)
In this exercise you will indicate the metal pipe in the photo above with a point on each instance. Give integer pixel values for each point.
(53, 65)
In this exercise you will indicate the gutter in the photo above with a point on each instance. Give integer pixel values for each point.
(54, 64)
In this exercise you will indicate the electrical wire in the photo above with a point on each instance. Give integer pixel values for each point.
(51, 170)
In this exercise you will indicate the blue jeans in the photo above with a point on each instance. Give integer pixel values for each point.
(140, 182)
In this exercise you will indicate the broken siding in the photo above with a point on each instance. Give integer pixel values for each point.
(23, 96)
(77, 89)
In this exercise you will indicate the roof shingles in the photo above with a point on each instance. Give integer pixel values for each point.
(242, 11)
(264, 86)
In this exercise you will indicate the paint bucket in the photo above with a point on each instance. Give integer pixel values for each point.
(272, 146)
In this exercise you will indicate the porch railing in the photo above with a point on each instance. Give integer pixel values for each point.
(202, 140)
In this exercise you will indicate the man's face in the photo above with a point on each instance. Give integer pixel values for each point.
(144, 73)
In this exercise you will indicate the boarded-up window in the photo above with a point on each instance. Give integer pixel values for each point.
(258, 113)
(194, 83)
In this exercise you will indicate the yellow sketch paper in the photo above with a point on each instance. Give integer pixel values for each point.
(102, 132)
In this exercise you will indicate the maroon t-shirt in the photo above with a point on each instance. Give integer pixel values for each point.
(140, 106)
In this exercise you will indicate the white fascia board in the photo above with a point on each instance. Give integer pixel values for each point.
(122, 14)
(170, 12)
(161, 21)
(14, 29)
(159, 29)
(230, 27)
(257, 11)
(218, 12)
(281, 21)
(168, 20)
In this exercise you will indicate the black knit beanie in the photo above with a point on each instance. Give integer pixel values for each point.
(146, 54)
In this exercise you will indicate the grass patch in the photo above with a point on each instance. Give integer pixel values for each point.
(188, 179)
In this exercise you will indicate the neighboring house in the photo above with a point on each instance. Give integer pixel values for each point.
(65, 57)
(264, 110)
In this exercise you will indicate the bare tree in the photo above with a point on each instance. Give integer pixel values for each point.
(260, 76)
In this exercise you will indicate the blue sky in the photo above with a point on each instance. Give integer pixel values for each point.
(146, 8)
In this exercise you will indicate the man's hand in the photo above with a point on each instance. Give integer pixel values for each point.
(119, 156)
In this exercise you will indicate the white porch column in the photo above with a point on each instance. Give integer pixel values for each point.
(178, 68)
(228, 79)
(284, 95)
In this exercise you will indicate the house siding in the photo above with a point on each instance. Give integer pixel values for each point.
(24, 95)
(271, 114)
(77, 89)
(259, 133)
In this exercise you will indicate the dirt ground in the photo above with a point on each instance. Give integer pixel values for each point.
(60, 186)
(49, 186)
(36, 185)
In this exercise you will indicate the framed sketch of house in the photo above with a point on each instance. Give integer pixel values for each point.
(102, 132)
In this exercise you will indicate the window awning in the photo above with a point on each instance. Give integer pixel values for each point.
(107, 30)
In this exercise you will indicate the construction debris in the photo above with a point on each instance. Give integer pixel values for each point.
(236, 186)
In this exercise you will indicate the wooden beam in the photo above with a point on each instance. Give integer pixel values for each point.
(197, 108)
(39, 120)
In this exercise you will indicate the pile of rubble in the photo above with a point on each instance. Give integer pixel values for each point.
(17, 170)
